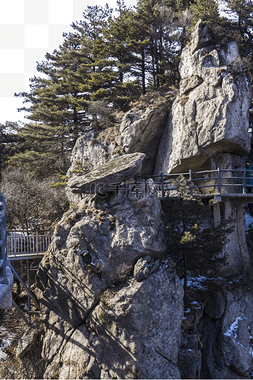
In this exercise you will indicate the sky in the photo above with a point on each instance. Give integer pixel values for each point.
(28, 30)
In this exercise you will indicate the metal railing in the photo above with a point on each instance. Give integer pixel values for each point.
(3, 237)
(238, 180)
(20, 244)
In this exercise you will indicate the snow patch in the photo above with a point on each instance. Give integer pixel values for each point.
(232, 331)
(196, 282)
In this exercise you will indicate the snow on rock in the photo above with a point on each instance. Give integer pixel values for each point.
(236, 348)
(232, 331)
(197, 282)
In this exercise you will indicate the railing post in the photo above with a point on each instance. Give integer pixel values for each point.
(219, 180)
(3, 237)
(15, 245)
(37, 242)
(190, 175)
(162, 184)
(244, 181)
(28, 285)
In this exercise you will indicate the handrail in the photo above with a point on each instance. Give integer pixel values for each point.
(218, 180)
(21, 244)
(3, 237)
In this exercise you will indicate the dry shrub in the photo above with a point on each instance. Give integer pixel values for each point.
(28, 366)
(124, 271)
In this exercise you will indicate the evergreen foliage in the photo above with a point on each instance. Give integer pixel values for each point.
(241, 12)
(206, 10)
(108, 60)
(194, 246)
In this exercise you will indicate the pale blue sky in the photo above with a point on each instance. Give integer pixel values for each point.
(29, 29)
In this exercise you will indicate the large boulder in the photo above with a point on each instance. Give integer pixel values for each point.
(94, 247)
(106, 176)
(143, 126)
(91, 150)
(27, 341)
(210, 114)
(227, 343)
(133, 332)
(137, 131)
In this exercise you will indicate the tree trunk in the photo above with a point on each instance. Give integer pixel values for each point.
(143, 71)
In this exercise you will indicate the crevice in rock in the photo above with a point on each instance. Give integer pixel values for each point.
(163, 356)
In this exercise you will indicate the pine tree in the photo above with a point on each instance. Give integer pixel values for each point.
(165, 29)
(115, 58)
(45, 150)
(206, 10)
(62, 97)
(59, 101)
(10, 142)
(108, 60)
(242, 12)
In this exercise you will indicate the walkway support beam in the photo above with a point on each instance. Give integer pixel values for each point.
(25, 287)
(216, 214)
(219, 180)
(244, 181)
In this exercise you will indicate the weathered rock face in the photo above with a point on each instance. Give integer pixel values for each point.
(90, 153)
(210, 115)
(111, 296)
(95, 248)
(27, 341)
(104, 177)
(125, 338)
(235, 249)
(227, 343)
(141, 130)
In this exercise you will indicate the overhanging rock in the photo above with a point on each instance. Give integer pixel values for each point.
(103, 178)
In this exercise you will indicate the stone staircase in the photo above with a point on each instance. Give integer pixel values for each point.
(6, 276)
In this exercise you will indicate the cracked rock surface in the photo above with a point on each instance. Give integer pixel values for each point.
(112, 297)
(101, 179)
(100, 321)
(124, 338)
(210, 114)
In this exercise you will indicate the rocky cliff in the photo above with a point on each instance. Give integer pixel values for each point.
(210, 114)
(121, 295)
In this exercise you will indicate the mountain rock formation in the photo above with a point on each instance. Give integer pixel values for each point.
(119, 298)
(210, 114)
